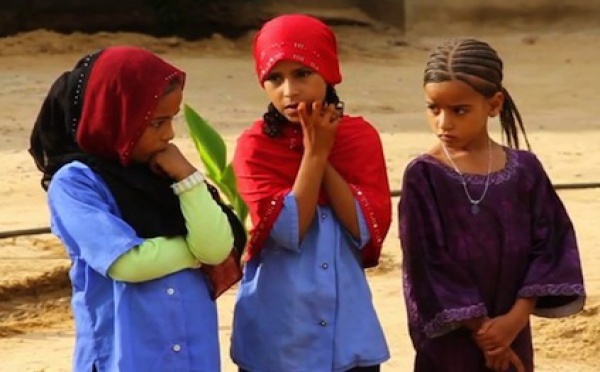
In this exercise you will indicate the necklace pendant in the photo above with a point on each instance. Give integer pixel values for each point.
(474, 209)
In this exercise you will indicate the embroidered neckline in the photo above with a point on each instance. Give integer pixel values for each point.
(497, 177)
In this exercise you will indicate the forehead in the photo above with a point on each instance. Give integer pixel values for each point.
(170, 102)
(452, 92)
(284, 66)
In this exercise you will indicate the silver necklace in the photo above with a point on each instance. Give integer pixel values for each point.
(474, 202)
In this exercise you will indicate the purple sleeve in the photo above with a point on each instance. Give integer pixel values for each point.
(438, 291)
(554, 274)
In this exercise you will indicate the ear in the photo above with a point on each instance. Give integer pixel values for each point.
(496, 102)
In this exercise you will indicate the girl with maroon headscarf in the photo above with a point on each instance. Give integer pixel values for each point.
(134, 215)
(316, 185)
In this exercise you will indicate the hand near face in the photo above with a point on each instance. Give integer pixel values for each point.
(319, 124)
(172, 163)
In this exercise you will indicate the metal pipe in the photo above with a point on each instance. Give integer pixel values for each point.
(395, 193)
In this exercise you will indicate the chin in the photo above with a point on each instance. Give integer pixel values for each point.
(293, 119)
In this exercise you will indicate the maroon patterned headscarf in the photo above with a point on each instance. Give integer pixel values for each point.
(122, 92)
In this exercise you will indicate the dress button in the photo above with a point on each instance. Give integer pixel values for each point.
(324, 215)
(176, 348)
(323, 323)
(324, 266)
(170, 291)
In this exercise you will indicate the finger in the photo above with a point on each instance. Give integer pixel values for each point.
(493, 352)
(484, 328)
(317, 110)
(516, 361)
(486, 344)
(327, 117)
(498, 365)
(304, 114)
(334, 114)
(489, 363)
(504, 364)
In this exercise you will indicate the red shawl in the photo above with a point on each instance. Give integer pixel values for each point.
(266, 169)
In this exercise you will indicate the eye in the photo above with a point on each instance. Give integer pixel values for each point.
(433, 109)
(302, 73)
(157, 123)
(461, 110)
(274, 78)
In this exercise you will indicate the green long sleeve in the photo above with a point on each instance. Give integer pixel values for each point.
(209, 241)
(209, 238)
(154, 258)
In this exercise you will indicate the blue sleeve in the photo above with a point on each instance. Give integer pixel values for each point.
(365, 234)
(85, 217)
(285, 229)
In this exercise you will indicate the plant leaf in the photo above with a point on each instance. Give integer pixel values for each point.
(229, 181)
(208, 142)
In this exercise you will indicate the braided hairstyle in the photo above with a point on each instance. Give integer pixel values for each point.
(475, 63)
(273, 120)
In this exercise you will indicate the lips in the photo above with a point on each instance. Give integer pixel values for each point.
(446, 137)
(291, 106)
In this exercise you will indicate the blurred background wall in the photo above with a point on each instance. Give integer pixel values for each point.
(200, 18)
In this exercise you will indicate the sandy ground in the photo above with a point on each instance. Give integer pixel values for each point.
(552, 75)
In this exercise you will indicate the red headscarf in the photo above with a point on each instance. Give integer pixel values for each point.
(300, 38)
(266, 167)
(122, 92)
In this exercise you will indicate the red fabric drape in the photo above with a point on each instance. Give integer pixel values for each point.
(266, 169)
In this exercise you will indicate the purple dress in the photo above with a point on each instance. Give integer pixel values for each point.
(460, 265)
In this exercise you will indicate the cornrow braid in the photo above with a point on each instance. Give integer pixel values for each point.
(273, 120)
(475, 63)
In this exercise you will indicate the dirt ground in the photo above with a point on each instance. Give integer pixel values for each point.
(551, 74)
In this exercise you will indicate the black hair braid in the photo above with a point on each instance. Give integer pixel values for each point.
(274, 121)
(477, 64)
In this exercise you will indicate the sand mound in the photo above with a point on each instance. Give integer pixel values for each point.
(572, 338)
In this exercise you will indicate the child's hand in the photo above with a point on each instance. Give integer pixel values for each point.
(172, 163)
(503, 361)
(497, 334)
(319, 125)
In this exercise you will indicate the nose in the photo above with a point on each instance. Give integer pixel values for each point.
(444, 121)
(169, 132)
(290, 88)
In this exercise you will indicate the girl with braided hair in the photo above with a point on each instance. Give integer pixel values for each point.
(486, 240)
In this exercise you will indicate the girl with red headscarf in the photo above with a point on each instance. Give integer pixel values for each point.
(316, 185)
(134, 215)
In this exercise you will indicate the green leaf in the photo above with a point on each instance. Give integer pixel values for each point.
(208, 142)
(240, 208)
(213, 153)
(229, 181)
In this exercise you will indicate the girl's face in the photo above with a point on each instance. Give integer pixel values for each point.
(159, 133)
(290, 83)
(458, 114)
